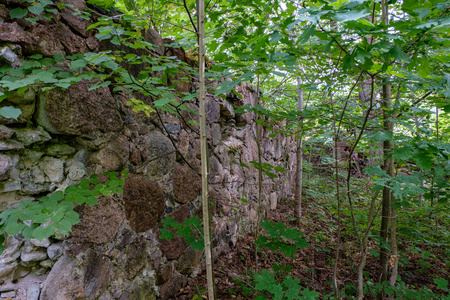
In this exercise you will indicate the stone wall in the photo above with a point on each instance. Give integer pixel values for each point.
(63, 136)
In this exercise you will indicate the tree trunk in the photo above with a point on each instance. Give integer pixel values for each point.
(204, 150)
(299, 172)
(389, 169)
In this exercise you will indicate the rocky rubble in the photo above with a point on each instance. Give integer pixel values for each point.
(62, 136)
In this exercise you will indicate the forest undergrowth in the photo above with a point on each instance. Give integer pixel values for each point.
(424, 254)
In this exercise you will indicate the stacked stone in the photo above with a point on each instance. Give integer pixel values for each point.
(63, 136)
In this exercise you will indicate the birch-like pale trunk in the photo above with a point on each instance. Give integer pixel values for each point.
(204, 150)
(299, 172)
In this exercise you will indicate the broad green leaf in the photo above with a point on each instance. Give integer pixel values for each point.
(42, 232)
(76, 65)
(10, 112)
(37, 9)
(423, 160)
(12, 226)
(18, 13)
(352, 15)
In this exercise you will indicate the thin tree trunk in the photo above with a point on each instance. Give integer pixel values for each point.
(389, 169)
(362, 264)
(394, 248)
(203, 149)
(438, 189)
(258, 144)
(338, 198)
(299, 172)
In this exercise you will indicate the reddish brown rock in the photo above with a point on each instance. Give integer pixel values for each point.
(75, 21)
(186, 184)
(175, 247)
(99, 223)
(212, 110)
(178, 52)
(47, 38)
(189, 260)
(45, 41)
(11, 32)
(136, 258)
(144, 202)
(114, 156)
(135, 156)
(165, 272)
(171, 287)
(77, 110)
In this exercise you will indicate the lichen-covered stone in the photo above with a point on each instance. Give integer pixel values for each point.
(186, 184)
(160, 153)
(7, 145)
(5, 132)
(55, 250)
(37, 254)
(77, 110)
(33, 291)
(7, 55)
(60, 150)
(12, 250)
(144, 202)
(6, 164)
(53, 168)
(30, 136)
(83, 277)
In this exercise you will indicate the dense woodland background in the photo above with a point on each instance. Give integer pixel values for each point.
(363, 87)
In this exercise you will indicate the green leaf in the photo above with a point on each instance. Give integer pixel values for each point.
(266, 282)
(42, 232)
(403, 153)
(78, 64)
(2, 240)
(37, 9)
(423, 160)
(10, 112)
(12, 226)
(293, 286)
(18, 13)
(441, 283)
(309, 295)
(352, 15)
(166, 234)
(398, 54)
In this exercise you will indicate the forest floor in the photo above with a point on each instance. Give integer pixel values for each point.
(419, 265)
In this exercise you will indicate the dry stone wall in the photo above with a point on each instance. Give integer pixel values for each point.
(63, 136)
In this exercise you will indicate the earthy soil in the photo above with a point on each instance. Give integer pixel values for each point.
(314, 264)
